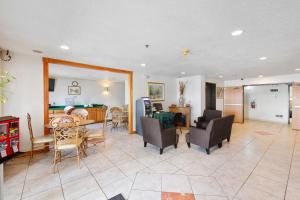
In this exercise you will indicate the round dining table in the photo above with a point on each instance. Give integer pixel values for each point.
(83, 122)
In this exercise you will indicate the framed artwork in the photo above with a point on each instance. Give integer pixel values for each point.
(220, 93)
(156, 91)
(74, 89)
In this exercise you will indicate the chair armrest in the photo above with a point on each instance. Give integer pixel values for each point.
(169, 136)
(201, 119)
(199, 136)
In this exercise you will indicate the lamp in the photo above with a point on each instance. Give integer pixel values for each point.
(106, 90)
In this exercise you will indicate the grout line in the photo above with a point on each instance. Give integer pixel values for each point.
(28, 164)
(287, 182)
(61, 186)
(253, 169)
(94, 179)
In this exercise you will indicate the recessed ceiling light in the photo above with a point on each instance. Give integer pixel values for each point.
(143, 65)
(183, 73)
(220, 76)
(64, 47)
(237, 32)
(298, 69)
(263, 58)
(260, 76)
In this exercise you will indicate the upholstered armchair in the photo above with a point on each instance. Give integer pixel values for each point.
(228, 127)
(209, 137)
(207, 116)
(155, 135)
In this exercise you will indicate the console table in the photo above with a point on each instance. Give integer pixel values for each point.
(186, 111)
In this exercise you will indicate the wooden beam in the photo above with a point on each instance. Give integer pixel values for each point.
(86, 66)
(47, 61)
(46, 94)
(130, 106)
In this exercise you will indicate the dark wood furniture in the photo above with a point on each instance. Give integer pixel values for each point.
(186, 111)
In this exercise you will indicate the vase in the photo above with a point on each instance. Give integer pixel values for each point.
(181, 100)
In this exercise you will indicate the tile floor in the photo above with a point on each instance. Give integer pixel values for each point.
(252, 166)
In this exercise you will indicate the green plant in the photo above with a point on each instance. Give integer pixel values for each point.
(5, 79)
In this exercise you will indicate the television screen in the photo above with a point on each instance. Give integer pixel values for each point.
(51, 84)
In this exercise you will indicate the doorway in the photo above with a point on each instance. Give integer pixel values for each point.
(210, 96)
(47, 61)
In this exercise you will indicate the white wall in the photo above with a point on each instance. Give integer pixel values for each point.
(25, 94)
(194, 94)
(268, 104)
(140, 89)
(91, 92)
(265, 80)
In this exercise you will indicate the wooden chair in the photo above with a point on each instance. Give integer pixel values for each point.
(82, 114)
(116, 113)
(66, 136)
(96, 136)
(37, 142)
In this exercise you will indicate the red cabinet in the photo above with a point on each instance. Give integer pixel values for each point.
(9, 136)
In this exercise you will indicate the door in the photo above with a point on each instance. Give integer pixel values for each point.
(296, 106)
(234, 103)
(210, 96)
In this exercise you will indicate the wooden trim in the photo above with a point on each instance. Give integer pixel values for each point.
(46, 62)
(86, 66)
(46, 94)
(130, 106)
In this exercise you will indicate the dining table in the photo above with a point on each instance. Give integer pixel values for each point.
(83, 122)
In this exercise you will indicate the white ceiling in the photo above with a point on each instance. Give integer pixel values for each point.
(113, 33)
(81, 73)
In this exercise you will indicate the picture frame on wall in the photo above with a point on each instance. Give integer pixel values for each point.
(74, 89)
(220, 93)
(156, 91)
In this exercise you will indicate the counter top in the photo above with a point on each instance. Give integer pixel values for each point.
(76, 106)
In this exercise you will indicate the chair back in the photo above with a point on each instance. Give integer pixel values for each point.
(116, 113)
(158, 106)
(228, 126)
(151, 130)
(82, 114)
(212, 114)
(29, 126)
(66, 131)
(216, 129)
(177, 118)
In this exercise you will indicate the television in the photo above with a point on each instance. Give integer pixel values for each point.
(51, 84)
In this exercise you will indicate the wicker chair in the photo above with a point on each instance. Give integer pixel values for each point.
(116, 113)
(37, 142)
(66, 136)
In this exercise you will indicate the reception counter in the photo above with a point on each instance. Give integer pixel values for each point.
(96, 112)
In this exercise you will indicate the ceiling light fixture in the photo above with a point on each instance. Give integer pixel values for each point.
(183, 73)
(237, 32)
(185, 51)
(263, 58)
(220, 76)
(298, 69)
(64, 47)
(260, 76)
(143, 65)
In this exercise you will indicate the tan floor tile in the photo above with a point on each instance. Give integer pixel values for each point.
(176, 183)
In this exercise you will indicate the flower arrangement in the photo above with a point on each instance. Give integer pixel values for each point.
(181, 87)
(5, 79)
